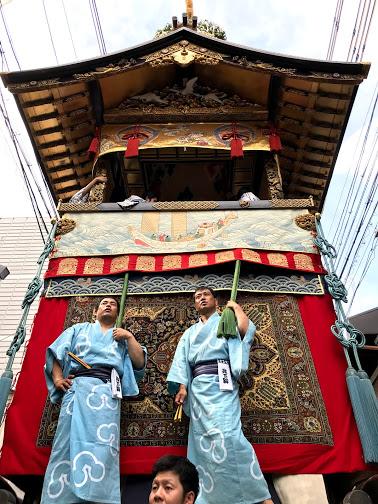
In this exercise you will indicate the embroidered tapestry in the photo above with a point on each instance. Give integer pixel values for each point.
(111, 233)
(280, 395)
(114, 137)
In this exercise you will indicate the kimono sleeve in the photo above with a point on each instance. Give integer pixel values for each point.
(180, 369)
(58, 351)
(132, 376)
(239, 351)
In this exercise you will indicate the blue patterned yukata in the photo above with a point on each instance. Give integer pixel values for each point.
(84, 461)
(226, 462)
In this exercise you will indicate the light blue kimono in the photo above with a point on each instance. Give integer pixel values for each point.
(226, 462)
(84, 461)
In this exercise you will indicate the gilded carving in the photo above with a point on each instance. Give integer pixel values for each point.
(303, 261)
(120, 263)
(274, 180)
(183, 54)
(65, 225)
(293, 203)
(278, 260)
(185, 205)
(306, 221)
(171, 262)
(145, 263)
(198, 260)
(97, 194)
(251, 255)
(189, 98)
(75, 207)
(67, 266)
(94, 266)
(225, 255)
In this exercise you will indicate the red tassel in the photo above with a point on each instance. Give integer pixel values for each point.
(236, 148)
(132, 149)
(95, 144)
(275, 142)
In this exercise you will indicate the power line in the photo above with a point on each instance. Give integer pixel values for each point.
(69, 29)
(97, 26)
(335, 29)
(8, 35)
(48, 26)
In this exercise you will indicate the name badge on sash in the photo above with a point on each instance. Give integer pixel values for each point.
(224, 373)
(116, 385)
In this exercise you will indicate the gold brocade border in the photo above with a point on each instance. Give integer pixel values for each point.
(87, 266)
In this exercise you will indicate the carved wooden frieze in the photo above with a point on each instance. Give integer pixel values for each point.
(189, 100)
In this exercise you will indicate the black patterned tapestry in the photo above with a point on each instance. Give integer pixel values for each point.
(280, 395)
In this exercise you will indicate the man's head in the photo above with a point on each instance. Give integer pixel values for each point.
(107, 310)
(175, 481)
(205, 301)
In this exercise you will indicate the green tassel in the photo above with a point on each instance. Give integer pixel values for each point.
(227, 327)
(369, 405)
(359, 394)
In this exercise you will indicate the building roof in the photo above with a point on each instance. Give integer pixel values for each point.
(308, 100)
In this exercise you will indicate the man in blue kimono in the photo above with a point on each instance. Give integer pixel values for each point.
(204, 375)
(84, 461)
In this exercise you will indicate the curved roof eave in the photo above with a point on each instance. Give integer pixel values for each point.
(222, 46)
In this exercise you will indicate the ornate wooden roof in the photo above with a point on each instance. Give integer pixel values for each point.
(308, 100)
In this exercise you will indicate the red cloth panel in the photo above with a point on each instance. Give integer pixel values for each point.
(112, 265)
(21, 456)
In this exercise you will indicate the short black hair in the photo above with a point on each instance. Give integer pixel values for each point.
(107, 297)
(202, 288)
(185, 470)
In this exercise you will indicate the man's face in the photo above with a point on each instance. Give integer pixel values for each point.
(167, 489)
(205, 302)
(107, 310)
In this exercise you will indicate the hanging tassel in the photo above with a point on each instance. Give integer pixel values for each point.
(236, 148)
(94, 146)
(236, 144)
(369, 412)
(274, 141)
(227, 327)
(132, 149)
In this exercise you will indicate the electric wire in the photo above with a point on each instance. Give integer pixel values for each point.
(350, 164)
(9, 35)
(69, 29)
(51, 37)
(368, 263)
(347, 209)
(354, 32)
(367, 33)
(97, 27)
(335, 29)
(29, 187)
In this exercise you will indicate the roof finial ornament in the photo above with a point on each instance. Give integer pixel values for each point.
(189, 9)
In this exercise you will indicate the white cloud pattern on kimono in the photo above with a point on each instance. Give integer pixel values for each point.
(58, 479)
(206, 482)
(199, 409)
(258, 475)
(213, 441)
(84, 342)
(96, 400)
(69, 407)
(94, 470)
(108, 433)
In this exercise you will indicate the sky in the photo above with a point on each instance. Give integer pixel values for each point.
(291, 27)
